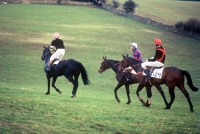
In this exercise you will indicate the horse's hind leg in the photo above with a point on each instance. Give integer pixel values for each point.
(53, 85)
(75, 85)
(162, 94)
(172, 96)
(183, 90)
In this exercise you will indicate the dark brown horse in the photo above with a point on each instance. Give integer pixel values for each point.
(171, 76)
(120, 76)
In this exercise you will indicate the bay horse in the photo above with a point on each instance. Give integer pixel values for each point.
(70, 68)
(121, 77)
(172, 77)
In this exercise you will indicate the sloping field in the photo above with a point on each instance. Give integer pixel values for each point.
(89, 34)
(166, 11)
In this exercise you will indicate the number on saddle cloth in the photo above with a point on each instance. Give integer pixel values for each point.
(156, 72)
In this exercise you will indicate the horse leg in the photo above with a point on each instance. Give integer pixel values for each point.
(162, 94)
(149, 94)
(48, 86)
(53, 85)
(128, 93)
(183, 90)
(75, 84)
(140, 87)
(115, 91)
(172, 96)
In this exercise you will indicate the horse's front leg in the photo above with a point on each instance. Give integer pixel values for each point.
(140, 87)
(53, 85)
(115, 91)
(128, 93)
(149, 94)
(48, 86)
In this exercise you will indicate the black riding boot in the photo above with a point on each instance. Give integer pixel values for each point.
(128, 77)
(148, 75)
(49, 68)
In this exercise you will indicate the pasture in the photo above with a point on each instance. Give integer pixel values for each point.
(165, 11)
(89, 34)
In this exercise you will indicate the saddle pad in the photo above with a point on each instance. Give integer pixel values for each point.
(133, 71)
(157, 73)
(56, 62)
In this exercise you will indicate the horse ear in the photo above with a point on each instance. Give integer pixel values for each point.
(126, 55)
(44, 46)
(122, 55)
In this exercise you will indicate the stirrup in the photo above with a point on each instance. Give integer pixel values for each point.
(147, 79)
(127, 80)
(48, 69)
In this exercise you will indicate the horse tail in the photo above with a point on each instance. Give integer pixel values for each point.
(84, 75)
(189, 80)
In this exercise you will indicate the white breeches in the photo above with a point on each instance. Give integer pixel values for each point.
(151, 64)
(58, 54)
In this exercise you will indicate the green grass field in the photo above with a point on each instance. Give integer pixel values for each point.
(89, 34)
(173, 10)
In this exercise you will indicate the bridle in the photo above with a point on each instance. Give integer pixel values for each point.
(43, 56)
(103, 69)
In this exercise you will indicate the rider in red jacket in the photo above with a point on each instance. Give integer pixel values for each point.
(157, 61)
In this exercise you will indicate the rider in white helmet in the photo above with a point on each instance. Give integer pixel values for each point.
(58, 44)
(137, 55)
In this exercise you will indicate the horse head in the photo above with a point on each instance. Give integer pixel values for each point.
(104, 65)
(46, 54)
(124, 63)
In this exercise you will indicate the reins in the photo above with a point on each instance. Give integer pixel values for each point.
(131, 65)
(116, 63)
(47, 53)
(136, 64)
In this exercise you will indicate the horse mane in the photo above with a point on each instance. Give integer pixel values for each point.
(133, 61)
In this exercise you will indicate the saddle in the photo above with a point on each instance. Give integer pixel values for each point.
(56, 61)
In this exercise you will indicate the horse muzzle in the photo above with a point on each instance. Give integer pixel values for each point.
(42, 58)
(100, 71)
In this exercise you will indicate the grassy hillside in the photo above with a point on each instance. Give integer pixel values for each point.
(166, 11)
(88, 34)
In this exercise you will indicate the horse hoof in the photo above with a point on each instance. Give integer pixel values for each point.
(191, 110)
(146, 105)
(60, 92)
(118, 101)
(142, 101)
(128, 102)
(73, 96)
(167, 107)
(47, 93)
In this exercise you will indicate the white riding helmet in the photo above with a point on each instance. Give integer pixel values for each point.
(134, 44)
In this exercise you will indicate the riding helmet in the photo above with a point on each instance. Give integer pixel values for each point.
(134, 44)
(158, 41)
